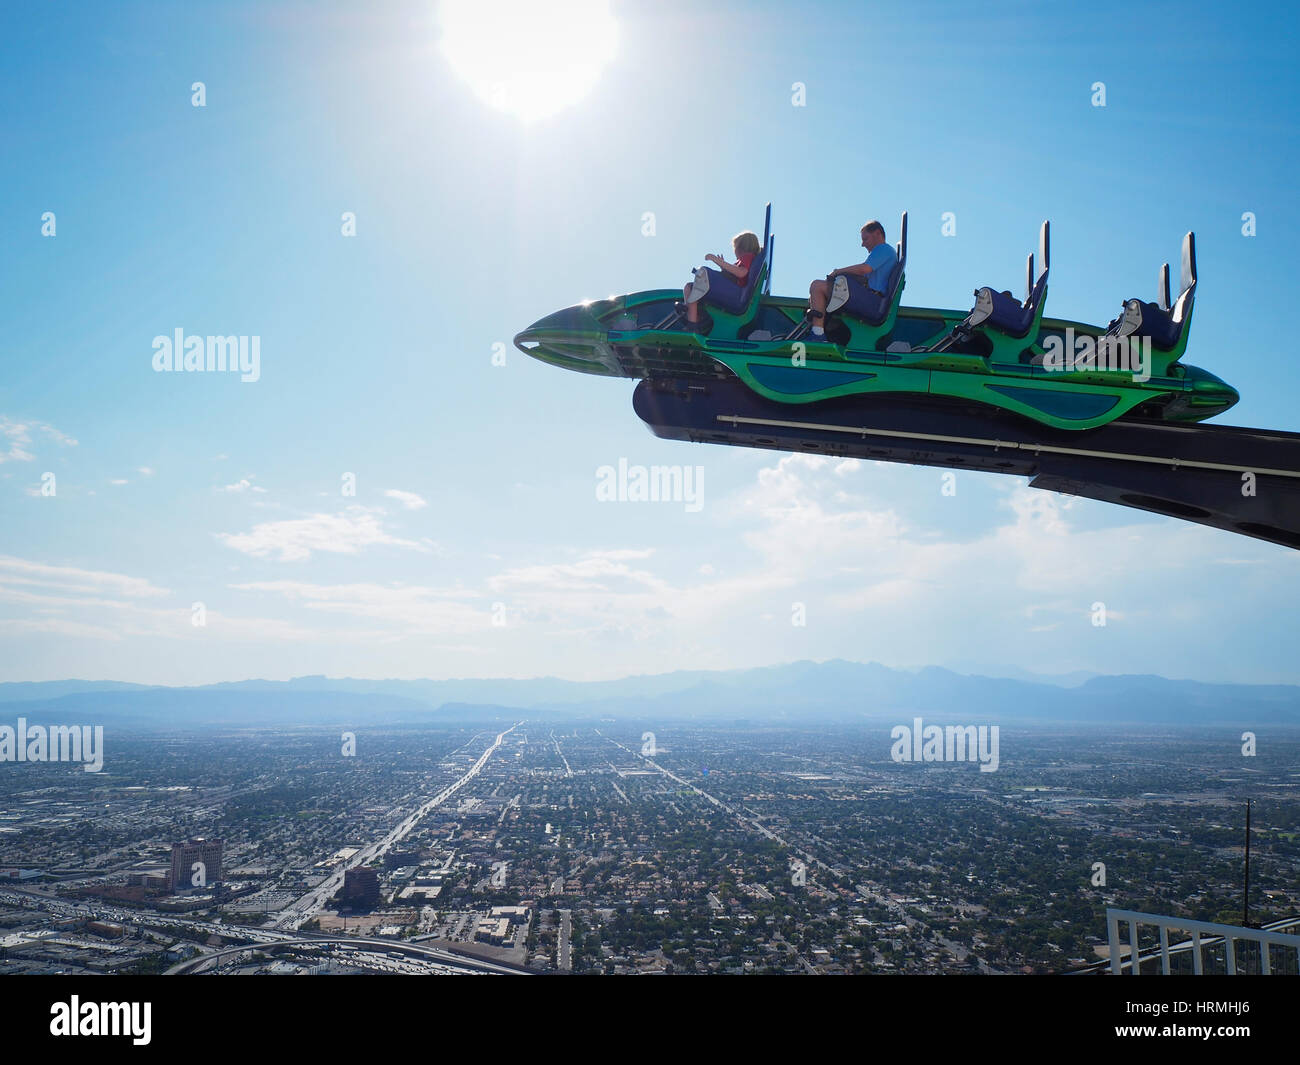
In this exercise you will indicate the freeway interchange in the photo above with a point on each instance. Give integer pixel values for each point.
(283, 934)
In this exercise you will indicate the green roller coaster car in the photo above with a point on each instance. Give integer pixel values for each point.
(1003, 353)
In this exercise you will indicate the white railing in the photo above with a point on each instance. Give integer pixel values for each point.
(1205, 935)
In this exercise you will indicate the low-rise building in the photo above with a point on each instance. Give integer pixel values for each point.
(495, 930)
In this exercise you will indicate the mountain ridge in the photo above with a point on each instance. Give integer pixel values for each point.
(834, 689)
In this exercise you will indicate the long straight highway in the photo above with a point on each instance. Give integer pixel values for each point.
(315, 899)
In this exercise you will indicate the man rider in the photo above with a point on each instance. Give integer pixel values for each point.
(874, 271)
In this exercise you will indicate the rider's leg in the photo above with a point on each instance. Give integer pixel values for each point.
(818, 297)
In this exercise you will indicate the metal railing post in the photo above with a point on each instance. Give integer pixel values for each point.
(1112, 936)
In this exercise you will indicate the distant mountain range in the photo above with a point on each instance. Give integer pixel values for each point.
(796, 692)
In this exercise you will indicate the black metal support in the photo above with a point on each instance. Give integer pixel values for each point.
(1245, 481)
(1245, 892)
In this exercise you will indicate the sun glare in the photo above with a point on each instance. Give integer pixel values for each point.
(526, 58)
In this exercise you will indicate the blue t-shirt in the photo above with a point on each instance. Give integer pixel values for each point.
(881, 260)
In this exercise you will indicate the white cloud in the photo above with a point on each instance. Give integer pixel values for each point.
(1006, 573)
(1001, 574)
(294, 539)
(58, 437)
(16, 439)
(601, 572)
(73, 602)
(409, 500)
(403, 609)
(58, 627)
(65, 601)
(244, 484)
(145, 471)
(69, 578)
(219, 626)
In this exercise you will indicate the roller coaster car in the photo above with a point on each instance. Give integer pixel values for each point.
(992, 355)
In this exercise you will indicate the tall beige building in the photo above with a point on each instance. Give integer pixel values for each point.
(184, 855)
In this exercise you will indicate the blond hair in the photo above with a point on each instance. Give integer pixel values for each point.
(746, 243)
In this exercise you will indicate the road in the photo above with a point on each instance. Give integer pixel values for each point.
(375, 951)
(565, 955)
(314, 900)
(568, 772)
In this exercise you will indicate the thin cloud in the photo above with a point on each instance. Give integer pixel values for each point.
(409, 500)
(296, 539)
(16, 439)
(71, 579)
(244, 484)
(58, 437)
(404, 609)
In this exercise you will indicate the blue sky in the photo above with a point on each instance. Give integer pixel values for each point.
(475, 484)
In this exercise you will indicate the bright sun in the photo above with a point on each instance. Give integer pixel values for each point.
(525, 57)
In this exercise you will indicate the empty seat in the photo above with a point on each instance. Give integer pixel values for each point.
(1165, 326)
(1149, 320)
(1002, 311)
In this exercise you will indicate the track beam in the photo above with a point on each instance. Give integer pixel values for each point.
(1245, 481)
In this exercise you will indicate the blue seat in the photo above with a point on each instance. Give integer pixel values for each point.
(725, 294)
(1164, 325)
(1002, 311)
(866, 303)
(1010, 315)
(1156, 323)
